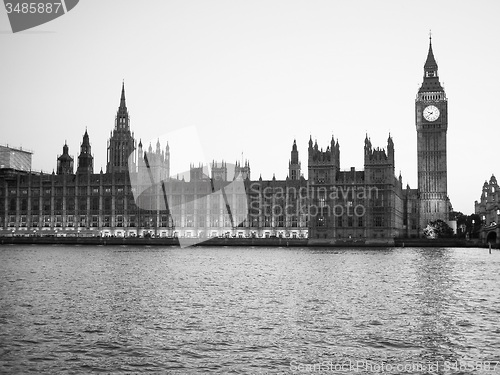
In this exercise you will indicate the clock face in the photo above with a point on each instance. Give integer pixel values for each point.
(431, 113)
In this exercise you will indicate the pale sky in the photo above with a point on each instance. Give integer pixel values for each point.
(252, 76)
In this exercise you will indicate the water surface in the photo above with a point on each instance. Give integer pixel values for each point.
(247, 310)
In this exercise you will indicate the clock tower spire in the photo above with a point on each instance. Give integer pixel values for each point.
(431, 118)
(431, 77)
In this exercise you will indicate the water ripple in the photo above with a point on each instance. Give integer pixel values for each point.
(243, 310)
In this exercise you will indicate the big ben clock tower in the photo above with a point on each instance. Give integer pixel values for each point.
(431, 117)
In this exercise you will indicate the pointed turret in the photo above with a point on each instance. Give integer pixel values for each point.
(368, 145)
(122, 116)
(493, 180)
(295, 153)
(430, 63)
(390, 148)
(65, 162)
(431, 79)
(294, 164)
(122, 99)
(85, 159)
(85, 141)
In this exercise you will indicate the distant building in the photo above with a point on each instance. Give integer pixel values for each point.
(488, 209)
(15, 159)
(137, 196)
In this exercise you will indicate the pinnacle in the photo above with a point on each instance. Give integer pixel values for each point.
(430, 63)
(122, 99)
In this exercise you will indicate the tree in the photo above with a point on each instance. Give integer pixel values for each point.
(438, 229)
(467, 224)
(456, 215)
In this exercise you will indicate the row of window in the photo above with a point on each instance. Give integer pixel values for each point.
(59, 191)
(145, 221)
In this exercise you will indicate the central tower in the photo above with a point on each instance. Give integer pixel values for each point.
(431, 118)
(121, 144)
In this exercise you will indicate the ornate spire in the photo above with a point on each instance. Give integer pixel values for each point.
(431, 79)
(122, 99)
(122, 114)
(85, 159)
(430, 63)
(86, 141)
(64, 161)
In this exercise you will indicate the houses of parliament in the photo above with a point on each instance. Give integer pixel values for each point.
(137, 196)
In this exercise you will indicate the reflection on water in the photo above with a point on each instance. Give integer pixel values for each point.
(246, 310)
(435, 281)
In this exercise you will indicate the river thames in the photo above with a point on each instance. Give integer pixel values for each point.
(117, 309)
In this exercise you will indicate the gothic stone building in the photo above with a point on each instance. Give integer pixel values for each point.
(136, 196)
(488, 209)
